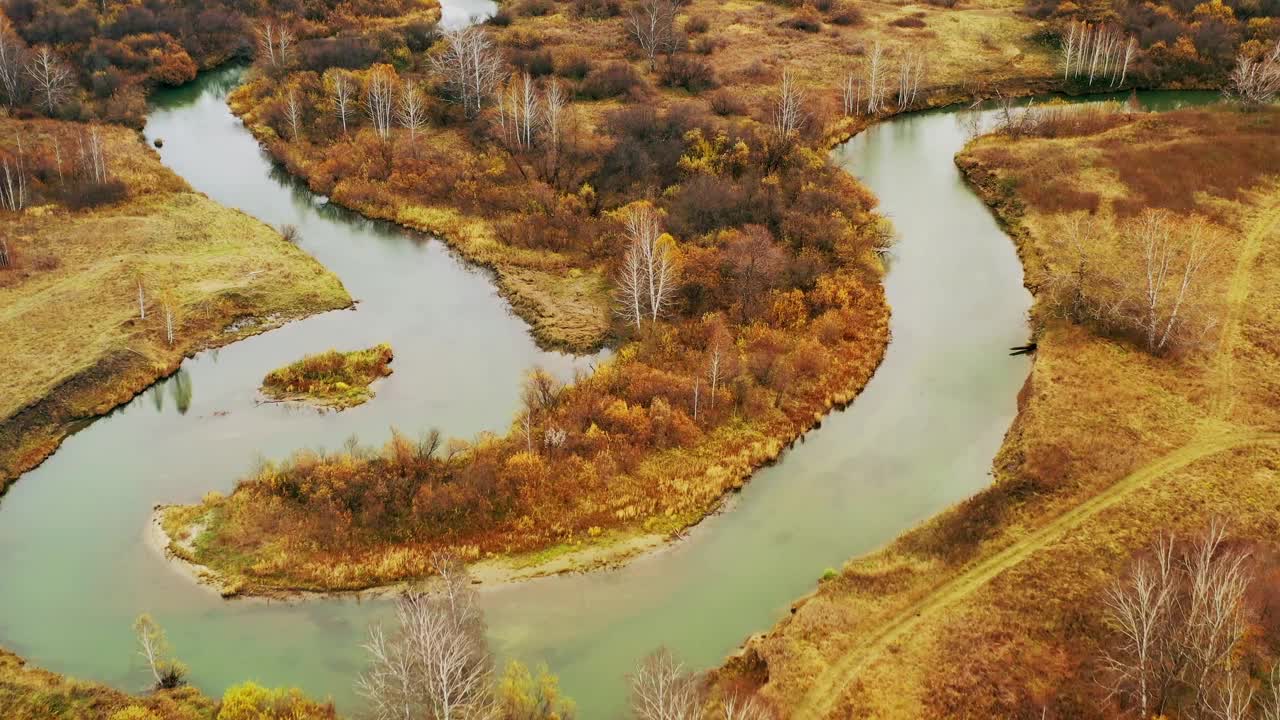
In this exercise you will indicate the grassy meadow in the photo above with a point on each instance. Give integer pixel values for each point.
(70, 325)
(995, 607)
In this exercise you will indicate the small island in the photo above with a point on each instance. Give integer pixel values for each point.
(331, 379)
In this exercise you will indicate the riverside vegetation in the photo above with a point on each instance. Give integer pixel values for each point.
(112, 270)
(655, 157)
(330, 379)
(681, 171)
(1122, 435)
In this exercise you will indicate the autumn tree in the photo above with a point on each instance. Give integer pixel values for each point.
(1172, 260)
(529, 124)
(379, 98)
(1091, 52)
(911, 72)
(538, 396)
(13, 60)
(93, 157)
(755, 263)
(1155, 292)
(13, 180)
(647, 281)
(661, 689)
(788, 119)
(411, 111)
(1255, 82)
(437, 664)
(293, 113)
(472, 68)
(1178, 617)
(50, 79)
(523, 696)
(519, 113)
(342, 93)
(744, 707)
(652, 24)
(154, 649)
(877, 73)
(275, 45)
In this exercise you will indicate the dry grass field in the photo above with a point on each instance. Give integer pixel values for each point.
(70, 328)
(995, 608)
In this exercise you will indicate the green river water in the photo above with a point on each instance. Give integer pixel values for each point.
(75, 570)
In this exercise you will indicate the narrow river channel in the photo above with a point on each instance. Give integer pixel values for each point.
(77, 571)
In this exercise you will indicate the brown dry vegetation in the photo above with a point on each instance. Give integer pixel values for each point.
(70, 331)
(28, 693)
(330, 379)
(994, 608)
(620, 451)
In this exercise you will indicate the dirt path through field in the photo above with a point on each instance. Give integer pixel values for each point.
(1212, 439)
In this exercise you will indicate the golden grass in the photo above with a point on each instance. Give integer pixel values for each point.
(331, 379)
(28, 693)
(973, 47)
(70, 331)
(993, 609)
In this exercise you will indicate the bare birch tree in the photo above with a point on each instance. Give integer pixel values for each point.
(5, 260)
(411, 111)
(657, 254)
(168, 323)
(275, 45)
(661, 689)
(12, 64)
(911, 71)
(437, 664)
(714, 358)
(630, 294)
(851, 94)
(554, 102)
(519, 113)
(342, 90)
(1255, 83)
(1180, 621)
(293, 114)
(738, 707)
(876, 68)
(789, 116)
(13, 189)
(1142, 608)
(154, 649)
(652, 24)
(1093, 52)
(471, 66)
(1270, 705)
(1216, 581)
(1171, 261)
(95, 156)
(379, 99)
(50, 78)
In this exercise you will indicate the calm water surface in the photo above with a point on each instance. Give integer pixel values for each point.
(75, 570)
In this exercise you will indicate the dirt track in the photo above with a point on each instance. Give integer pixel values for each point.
(1212, 438)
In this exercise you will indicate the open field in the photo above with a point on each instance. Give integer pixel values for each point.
(994, 608)
(70, 325)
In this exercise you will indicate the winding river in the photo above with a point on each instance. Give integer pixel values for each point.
(76, 569)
